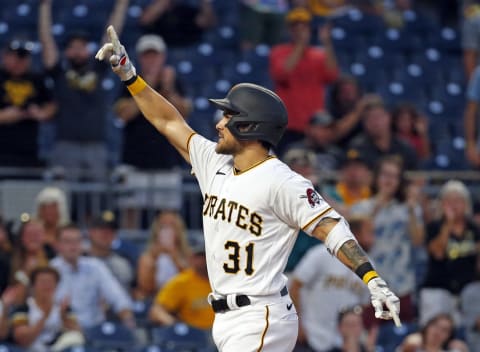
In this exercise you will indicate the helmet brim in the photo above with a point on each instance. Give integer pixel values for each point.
(224, 104)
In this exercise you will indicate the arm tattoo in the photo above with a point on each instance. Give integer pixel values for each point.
(354, 254)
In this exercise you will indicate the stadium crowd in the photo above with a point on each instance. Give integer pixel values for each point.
(379, 93)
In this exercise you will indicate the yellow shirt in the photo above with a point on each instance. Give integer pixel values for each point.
(185, 295)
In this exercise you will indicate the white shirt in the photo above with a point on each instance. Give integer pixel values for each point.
(251, 220)
(328, 287)
(165, 269)
(88, 287)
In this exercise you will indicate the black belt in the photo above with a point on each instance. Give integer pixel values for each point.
(220, 305)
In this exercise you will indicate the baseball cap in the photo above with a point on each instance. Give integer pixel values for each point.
(299, 157)
(354, 156)
(150, 42)
(299, 14)
(321, 118)
(21, 47)
(106, 219)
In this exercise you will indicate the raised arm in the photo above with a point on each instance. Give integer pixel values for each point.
(156, 109)
(117, 17)
(50, 52)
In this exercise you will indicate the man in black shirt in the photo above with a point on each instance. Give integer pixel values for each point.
(25, 101)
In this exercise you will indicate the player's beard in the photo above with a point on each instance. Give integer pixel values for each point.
(227, 147)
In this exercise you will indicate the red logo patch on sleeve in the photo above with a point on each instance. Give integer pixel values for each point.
(313, 197)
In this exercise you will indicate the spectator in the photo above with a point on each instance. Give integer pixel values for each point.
(25, 102)
(398, 227)
(321, 8)
(301, 73)
(453, 244)
(303, 162)
(79, 149)
(166, 254)
(28, 254)
(352, 330)
(470, 309)
(412, 128)
(39, 324)
(471, 37)
(51, 208)
(321, 287)
(378, 139)
(184, 297)
(102, 234)
(180, 23)
(437, 335)
(143, 147)
(472, 129)
(354, 183)
(343, 103)
(262, 22)
(88, 283)
(5, 256)
(319, 135)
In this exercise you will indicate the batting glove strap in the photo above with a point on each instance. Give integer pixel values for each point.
(382, 296)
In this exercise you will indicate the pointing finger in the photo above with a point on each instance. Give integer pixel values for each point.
(114, 39)
(394, 313)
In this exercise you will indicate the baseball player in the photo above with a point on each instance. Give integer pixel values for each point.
(254, 206)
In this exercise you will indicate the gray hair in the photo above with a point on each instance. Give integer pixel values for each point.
(57, 196)
(458, 188)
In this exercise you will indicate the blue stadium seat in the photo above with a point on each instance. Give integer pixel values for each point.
(194, 75)
(111, 336)
(181, 337)
(398, 41)
(379, 57)
(419, 23)
(447, 39)
(390, 337)
(368, 76)
(223, 37)
(141, 309)
(243, 71)
(5, 347)
(452, 96)
(127, 249)
(396, 92)
(431, 60)
(356, 21)
(347, 41)
(258, 57)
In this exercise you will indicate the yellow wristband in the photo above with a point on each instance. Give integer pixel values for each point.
(368, 276)
(137, 86)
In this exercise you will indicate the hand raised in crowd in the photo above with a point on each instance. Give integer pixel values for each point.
(473, 155)
(325, 34)
(12, 114)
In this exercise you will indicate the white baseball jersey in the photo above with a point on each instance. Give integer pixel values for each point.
(251, 219)
(328, 287)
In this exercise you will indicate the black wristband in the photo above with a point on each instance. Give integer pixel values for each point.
(130, 81)
(363, 269)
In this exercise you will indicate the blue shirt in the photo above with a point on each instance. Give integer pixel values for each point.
(88, 287)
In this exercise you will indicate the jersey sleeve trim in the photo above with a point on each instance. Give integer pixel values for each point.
(316, 218)
(188, 141)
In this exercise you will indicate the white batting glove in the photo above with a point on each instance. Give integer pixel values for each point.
(117, 56)
(380, 296)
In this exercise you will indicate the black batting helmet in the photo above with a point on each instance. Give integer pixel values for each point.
(257, 113)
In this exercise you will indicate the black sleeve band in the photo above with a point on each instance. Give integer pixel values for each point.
(130, 81)
(363, 269)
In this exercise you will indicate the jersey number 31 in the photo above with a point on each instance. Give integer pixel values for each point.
(233, 266)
